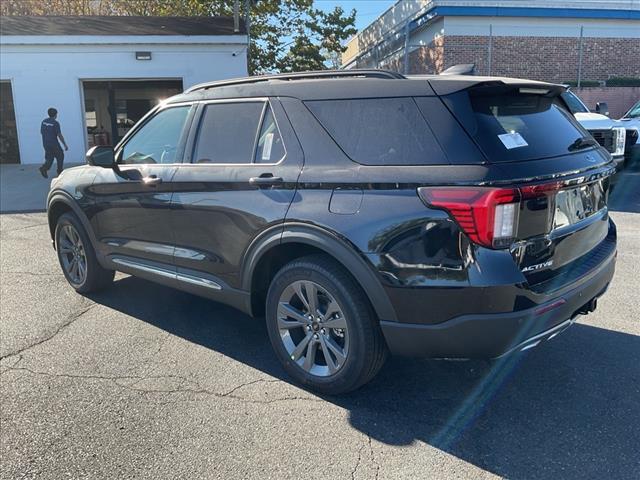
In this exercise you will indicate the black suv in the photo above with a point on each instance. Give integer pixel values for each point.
(360, 212)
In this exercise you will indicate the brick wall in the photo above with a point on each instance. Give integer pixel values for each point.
(429, 59)
(553, 59)
(611, 57)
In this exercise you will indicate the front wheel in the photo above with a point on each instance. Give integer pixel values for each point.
(322, 327)
(78, 258)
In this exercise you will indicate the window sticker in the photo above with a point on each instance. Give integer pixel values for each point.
(512, 140)
(266, 148)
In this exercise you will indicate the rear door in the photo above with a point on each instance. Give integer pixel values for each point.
(244, 162)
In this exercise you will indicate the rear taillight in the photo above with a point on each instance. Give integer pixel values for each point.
(489, 216)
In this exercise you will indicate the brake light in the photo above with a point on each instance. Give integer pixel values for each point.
(489, 216)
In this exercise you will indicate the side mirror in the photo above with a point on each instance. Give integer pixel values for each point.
(602, 108)
(101, 156)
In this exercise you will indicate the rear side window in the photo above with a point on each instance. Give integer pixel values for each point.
(269, 148)
(379, 131)
(512, 126)
(227, 132)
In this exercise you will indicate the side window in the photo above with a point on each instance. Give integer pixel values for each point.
(269, 148)
(380, 131)
(227, 132)
(158, 139)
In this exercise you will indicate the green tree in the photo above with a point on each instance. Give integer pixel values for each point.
(57, 7)
(286, 35)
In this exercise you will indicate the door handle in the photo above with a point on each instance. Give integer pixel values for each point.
(265, 179)
(152, 180)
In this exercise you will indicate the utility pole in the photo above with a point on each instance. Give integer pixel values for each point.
(247, 26)
(407, 33)
(580, 56)
(490, 53)
(236, 16)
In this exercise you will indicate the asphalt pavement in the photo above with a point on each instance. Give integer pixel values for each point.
(141, 381)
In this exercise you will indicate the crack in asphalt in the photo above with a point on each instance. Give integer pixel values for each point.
(357, 465)
(2, 367)
(24, 228)
(153, 368)
(253, 382)
(184, 386)
(372, 457)
(69, 321)
(37, 274)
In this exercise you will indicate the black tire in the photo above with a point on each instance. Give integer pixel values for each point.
(367, 350)
(96, 277)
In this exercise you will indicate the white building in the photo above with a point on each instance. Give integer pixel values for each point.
(102, 74)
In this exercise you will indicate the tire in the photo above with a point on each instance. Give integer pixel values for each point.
(72, 242)
(361, 346)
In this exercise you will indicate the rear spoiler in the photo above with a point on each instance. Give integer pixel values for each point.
(461, 69)
(448, 84)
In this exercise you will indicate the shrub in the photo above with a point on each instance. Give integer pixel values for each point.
(583, 83)
(623, 82)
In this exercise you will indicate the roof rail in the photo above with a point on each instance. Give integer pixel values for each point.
(317, 74)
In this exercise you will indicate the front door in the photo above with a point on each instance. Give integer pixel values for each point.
(133, 203)
(239, 182)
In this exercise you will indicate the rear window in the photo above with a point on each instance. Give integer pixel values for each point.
(379, 131)
(513, 126)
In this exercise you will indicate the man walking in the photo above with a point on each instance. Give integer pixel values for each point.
(50, 131)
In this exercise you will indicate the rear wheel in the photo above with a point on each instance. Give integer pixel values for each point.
(322, 327)
(78, 258)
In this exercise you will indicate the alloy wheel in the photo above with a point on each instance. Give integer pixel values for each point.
(72, 254)
(313, 328)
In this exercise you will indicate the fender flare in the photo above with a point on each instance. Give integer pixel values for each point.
(61, 196)
(333, 245)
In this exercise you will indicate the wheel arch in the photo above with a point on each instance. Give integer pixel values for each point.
(291, 241)
(60, 203)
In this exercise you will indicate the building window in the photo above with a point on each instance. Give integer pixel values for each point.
(90, 116)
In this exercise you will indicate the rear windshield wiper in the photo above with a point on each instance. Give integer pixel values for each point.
(582, 142)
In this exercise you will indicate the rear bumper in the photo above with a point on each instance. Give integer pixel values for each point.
(493, 335)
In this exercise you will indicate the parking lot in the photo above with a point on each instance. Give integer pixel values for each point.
(141, 381)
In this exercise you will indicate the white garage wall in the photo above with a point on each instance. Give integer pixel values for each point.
(45, 75)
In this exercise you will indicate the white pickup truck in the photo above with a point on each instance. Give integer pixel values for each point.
(607, 132)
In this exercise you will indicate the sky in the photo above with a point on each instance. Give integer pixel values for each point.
(367, 10)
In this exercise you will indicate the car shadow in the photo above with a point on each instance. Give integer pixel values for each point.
(625, 196)
(568, 409)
